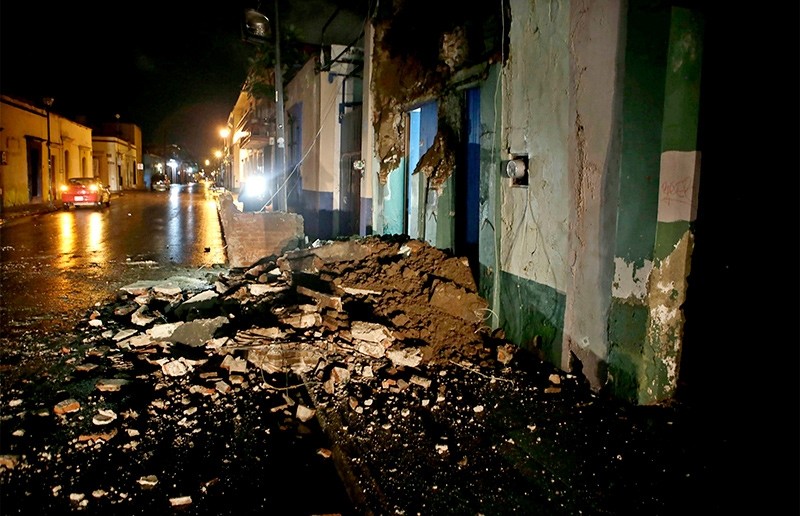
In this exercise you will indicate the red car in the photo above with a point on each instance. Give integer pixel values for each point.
(85, 191)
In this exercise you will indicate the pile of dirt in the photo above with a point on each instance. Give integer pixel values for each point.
(426, 296)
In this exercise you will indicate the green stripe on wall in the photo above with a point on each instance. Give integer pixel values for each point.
(682, 86)
(626, 329)
(642, 121)
(669, 234)
(532, 315)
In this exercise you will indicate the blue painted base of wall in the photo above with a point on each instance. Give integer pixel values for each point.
(318, 214)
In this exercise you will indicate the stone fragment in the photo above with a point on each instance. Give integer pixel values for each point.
(371, 349)
(175, 367)
(202, 302)
(104, 417)
(180, 501)
(110, 384)
(85, 368)
(124, 334)
(196, 333)
(324, 300)
(370, 331)
(67, 406)
(260, 289)
(234, 364)
(147, 481)
(103, 436)
(505, 353)
(353, 291)
(304, 413)
(163, 331)
(137, 341)
(410, 357)
(9, 461)
(222, 387)
(275, 358)
(140, 317)
(301, 321)
(421, 381)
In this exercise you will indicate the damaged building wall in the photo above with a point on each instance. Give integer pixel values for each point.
(534, 219)
(596, 58)
(651, 274)
(586, 263)
(594, 210)
(416, 60)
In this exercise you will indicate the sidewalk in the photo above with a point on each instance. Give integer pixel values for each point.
(9, 214)
(17, 212)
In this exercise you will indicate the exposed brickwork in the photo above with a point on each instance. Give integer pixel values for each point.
(249, 237)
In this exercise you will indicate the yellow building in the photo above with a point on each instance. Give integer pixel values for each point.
(28, 133)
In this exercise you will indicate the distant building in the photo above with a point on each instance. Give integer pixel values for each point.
(112, 152)
(117, 151)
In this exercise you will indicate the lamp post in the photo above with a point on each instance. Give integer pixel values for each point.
(223, 166)
(48, 103)
(279, 119)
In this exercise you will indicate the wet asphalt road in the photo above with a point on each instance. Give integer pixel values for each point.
(55, 265)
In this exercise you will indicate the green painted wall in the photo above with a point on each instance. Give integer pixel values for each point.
(445, 207)
(642, 117)
(669, 233)
(660, 114)
(642, 123)
(682, 102)
(627, 327)
(532, 315)
(489, 193)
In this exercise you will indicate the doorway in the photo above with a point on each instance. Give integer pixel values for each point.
(421, 131)
(467, 183)
(349, 176)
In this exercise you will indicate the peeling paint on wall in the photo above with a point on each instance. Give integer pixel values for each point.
(630, 282)
(665, 330)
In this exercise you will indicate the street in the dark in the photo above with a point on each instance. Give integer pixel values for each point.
(174, 384)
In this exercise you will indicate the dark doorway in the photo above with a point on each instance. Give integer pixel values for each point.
(350, 176)
(468, 182)
(34, 148)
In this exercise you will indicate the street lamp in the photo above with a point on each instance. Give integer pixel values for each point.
(258, 27)
(48, 103)
(224, 133)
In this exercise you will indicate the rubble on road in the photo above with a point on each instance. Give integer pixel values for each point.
(380, 341)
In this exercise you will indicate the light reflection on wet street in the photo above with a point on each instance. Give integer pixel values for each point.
(57, 265)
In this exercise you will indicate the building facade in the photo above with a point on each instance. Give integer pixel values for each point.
(554, 144)
(28, 133)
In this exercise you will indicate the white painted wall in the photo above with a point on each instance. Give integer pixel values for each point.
(535, 219)
(597, 61)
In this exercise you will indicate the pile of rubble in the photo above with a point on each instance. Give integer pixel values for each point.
(172, 370)
(351, 377)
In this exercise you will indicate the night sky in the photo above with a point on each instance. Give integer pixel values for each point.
(174, 68)
(174, 72)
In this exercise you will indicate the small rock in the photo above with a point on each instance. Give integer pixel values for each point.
(67, 406)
